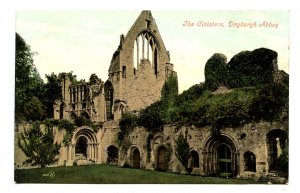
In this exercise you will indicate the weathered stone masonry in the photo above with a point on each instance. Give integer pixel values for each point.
(138, 70)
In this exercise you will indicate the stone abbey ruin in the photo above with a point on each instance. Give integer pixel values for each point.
(138, 71)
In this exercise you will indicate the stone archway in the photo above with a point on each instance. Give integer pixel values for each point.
(84, 147)
(135, 158)
(112, 155)
(194, 159)
(277, 144)
(161, 160)
(249, 161)
(220, 156)
(224, 157)
(81, 148)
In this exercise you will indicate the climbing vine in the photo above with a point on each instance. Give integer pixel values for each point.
(182, 149)
(127, 124)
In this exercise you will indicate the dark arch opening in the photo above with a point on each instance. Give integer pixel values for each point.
(224, 159)
(194, 159)
(161, 164)
(81, 148)
(61, 111)
(108, 92)
(136, 158)
(220, 157)
(249, 161)
(155, 63)
(112, 155)
(277, 141)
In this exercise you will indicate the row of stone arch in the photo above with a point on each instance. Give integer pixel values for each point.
(220, 155)
(135, 157)
(194, 161)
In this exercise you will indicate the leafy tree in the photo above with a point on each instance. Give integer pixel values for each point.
(182, 149)
(34, 109)
(28, 82)
(215, 71)
(252, 68)
(52, 90)
(152, 118)
(94, 79)
(39, 146)
(72, 77)
(127, 123)
(170, 89)
(270, 102)
(52, 93)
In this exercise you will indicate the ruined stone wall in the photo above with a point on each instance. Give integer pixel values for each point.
(19, 156)
(249, 137)
(141, 86)
(107, 136)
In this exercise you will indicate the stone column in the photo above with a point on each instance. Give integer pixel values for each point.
(69, 148)
(97, 153)
(88, 152)
(143, 45)
(148, 50)
(137, 51)
(73, 152)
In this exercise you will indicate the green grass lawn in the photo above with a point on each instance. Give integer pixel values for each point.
(105, 174)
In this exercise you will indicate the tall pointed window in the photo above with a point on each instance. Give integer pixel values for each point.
(144, 49)
(123, 71)
(108, 91)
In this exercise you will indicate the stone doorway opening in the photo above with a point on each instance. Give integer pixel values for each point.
(194, 159)
(249, 161)
(81, 148)
(84, 147)
(161, 164)
(112, 155)
(224, 159)
(136, 158)
(277, 143)
(220, 157)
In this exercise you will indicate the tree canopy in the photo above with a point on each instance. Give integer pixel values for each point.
(29, 87)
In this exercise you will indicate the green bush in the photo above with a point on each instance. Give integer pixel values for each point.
(182, 149)
(127, 124)
(215, 71)
(39, 146)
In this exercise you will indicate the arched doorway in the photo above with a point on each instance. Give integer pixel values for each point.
(81, 148)
(161, 164)
(224, 159)
(84, 147)
(112, 155)
(194, 158)
(249, 161)
(277, 143)
(220, 156)
(136, 158)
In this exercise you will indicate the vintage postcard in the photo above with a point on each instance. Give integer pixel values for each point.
(152, 97)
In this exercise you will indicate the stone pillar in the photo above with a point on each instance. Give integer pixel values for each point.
(153, 51)
(214, 162)
(73, 152)
(96, 151)
(143, 45)
(137, 51)
(92, 152)
(148, 50)
(69, 152)
(88, 152)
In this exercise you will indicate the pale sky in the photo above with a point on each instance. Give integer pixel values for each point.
(84, 41)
